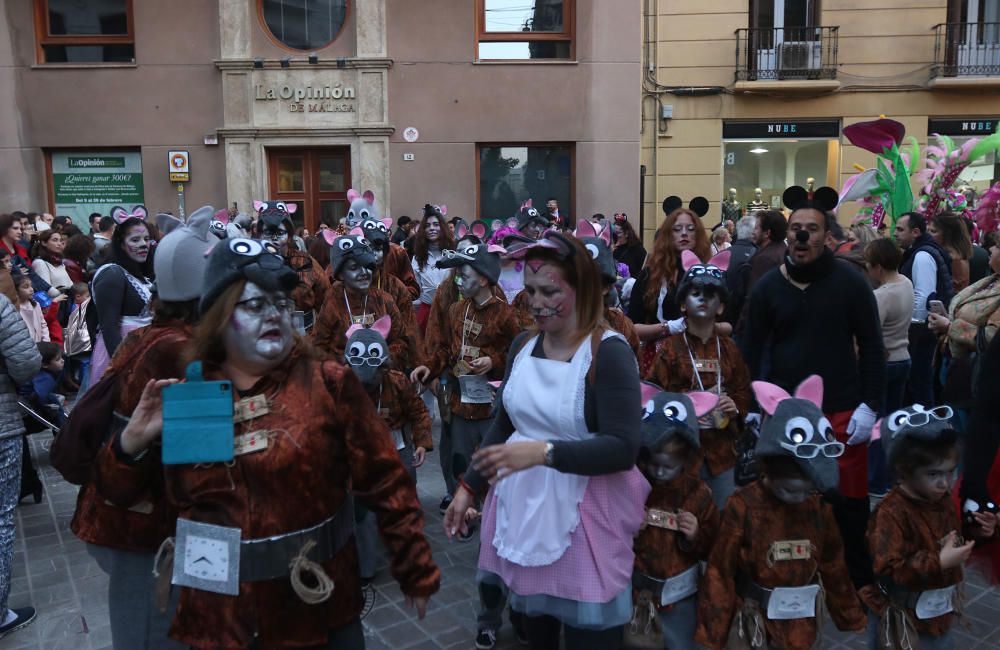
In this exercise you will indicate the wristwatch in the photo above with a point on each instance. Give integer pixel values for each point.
(549, 454)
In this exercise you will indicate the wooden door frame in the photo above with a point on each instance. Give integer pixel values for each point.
(310, 194)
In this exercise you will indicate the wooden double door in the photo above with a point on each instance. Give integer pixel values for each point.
(315, 179)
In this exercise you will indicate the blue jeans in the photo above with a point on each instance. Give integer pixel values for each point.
(879, 473)
(10, 491)
(920, 389)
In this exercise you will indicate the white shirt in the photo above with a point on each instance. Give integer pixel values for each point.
(430, 277)
(924, 283)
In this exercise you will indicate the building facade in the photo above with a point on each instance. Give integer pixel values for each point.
(477, 105)
(753, 94)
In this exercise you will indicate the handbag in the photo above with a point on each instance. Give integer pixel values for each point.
(76, 335)
(89, 426)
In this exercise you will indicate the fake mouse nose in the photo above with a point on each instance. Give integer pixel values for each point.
(801, 236)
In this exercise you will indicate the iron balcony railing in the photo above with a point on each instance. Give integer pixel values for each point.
(967, 49)
(786, 53)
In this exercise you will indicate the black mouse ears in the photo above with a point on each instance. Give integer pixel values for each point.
(698, 205)
(824, 198)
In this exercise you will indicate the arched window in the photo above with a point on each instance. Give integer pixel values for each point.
(303, 24)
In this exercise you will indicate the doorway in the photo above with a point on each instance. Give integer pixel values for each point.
(314, 179)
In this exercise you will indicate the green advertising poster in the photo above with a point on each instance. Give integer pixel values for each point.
(85, 182)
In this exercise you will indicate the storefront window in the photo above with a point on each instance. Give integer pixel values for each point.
(68, 31)
(510, 174)
(304, 24)
(782, 154)
(979, 176)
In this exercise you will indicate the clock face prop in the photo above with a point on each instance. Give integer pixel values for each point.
(207, 557)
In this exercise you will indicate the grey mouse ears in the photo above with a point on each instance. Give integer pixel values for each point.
(698, 205)
(823, 199)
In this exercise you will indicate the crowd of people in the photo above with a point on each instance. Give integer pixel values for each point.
(676, 448)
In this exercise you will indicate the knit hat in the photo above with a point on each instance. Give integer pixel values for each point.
(234, 259)
(666, 415)
(345, 247)
(796, 427)
(914, 422)
(599, 247)
(484, 258)
(182, 255)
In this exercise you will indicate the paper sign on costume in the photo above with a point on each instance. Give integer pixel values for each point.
(207, 557)
(471, 327)
(935, 602)
(661, 519)
(475, 389)
(249, 408)
(789, 603)
(793, 549)
(249, 443)
(365, 320)
(470, 351)
(680, 586)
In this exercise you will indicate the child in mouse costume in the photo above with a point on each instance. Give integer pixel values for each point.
(779, 544)
(403, 293)
(681, 519)
(367, 352)
(479, 332)
(275, 225)
(364, 213)
(598, 244)
(914, 536)
(354, 301)
(700, 359)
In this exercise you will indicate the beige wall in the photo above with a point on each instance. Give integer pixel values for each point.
(885, 56)
(454, 103)
(170, 99)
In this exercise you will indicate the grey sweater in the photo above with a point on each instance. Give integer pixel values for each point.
(20, 362)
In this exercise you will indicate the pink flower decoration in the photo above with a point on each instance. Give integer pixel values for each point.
(875, 136)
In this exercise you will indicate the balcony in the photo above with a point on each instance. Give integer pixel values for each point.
(966, 55)
(788, 59)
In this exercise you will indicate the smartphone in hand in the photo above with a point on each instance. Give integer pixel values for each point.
(936, 307)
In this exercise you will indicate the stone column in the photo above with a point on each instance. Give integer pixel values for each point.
(234, 28)
(370, 19)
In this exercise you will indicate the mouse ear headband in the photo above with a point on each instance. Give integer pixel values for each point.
(698, 205)
(824, 199)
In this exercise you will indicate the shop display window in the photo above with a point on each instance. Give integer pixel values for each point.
(770, 166)
(509, 174)
(69, 31)
(303, 24)
(512, 30)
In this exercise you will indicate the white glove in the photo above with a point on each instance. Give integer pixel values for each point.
(677, 325)
(860, 427)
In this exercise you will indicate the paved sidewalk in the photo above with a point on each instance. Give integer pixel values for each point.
(54, 573)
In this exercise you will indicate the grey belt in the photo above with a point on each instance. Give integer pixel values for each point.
(270, 557)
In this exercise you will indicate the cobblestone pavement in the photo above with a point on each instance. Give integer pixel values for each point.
(54, 573)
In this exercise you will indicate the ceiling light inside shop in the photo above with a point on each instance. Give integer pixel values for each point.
(758, 150)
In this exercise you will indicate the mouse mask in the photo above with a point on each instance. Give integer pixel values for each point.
(796, 427)
(665, 415)
(367, 350)
(352, 246)
(914, 422)
(362, 207)
(376, 231)
(711, 274)
(483, 258)
(275, 220)
(597, 241)
(258, 262)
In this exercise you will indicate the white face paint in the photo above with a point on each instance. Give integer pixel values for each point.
(791, 490)
(468, 281)
(355, 277)
(137, 243)
(259, 334)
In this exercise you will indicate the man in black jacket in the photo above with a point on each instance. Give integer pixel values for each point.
(738, 275)
(807, 315)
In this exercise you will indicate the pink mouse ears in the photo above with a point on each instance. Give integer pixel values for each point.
(689, 259)
(461, 231)
(121, 215)
(330, 235)
(769, 396)
(703, 402)
(721, 260)
(382, 326)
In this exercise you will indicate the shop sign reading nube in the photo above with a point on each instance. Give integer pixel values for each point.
(84, 182)
(334, 98)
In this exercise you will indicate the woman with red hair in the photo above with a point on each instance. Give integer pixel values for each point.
(653, 307)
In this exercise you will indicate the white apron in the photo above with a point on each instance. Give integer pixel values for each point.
(539, 508)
